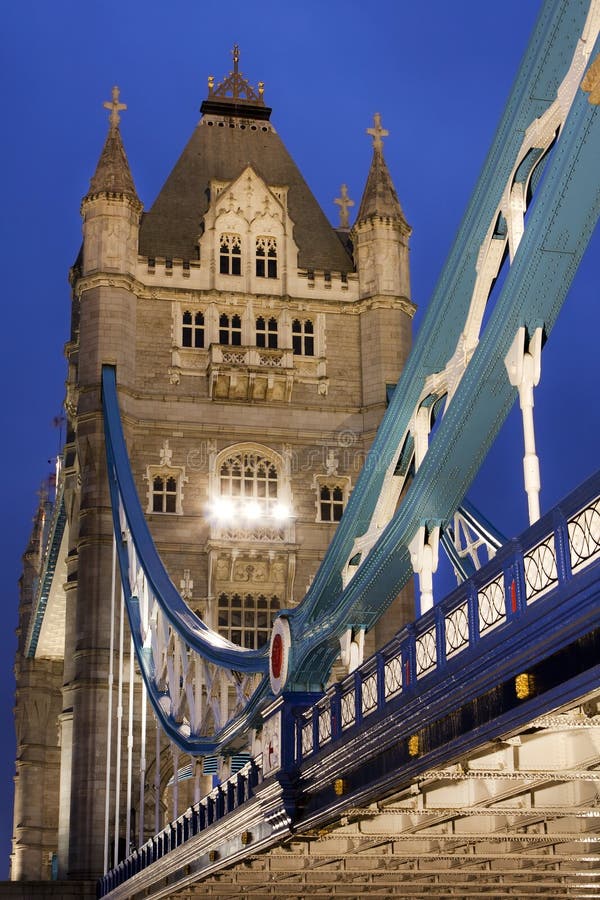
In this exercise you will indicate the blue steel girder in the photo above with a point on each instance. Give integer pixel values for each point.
(559, 226)
(142, 572)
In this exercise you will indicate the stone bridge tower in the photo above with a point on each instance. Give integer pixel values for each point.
(254, 347)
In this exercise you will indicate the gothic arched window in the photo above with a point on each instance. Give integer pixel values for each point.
(230, 254)
(164, 494)
(246, 619)
(266, 257)
(165, 484)
(331, 503)
(250, 481)
(266, 332)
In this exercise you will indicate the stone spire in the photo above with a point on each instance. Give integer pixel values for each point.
(113, 175)
(380, 233)
(379, 197)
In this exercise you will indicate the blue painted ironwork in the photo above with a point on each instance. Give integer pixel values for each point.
(559, 227)
(447, 679)
(130, 524)
(478, 525)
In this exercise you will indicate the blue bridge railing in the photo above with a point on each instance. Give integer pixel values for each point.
(546, 557)
(544, 583)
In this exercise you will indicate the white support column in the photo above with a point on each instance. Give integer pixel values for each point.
(424, 546)
(157, 780)
(197, 773)
(515, 217)
(524, 367)
(352, 644)
(421, 429)
(129, 749)
(143, 727)
(119, 731)
(175, 752)
(111, 675)
(424, 554)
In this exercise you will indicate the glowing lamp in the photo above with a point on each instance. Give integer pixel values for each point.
(281, 511)
(223, 509)
(252, 511)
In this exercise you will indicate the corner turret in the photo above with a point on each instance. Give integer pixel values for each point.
(380, 233)
(380, 239)
(111, 209)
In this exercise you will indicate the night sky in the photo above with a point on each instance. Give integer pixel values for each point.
(438, 73)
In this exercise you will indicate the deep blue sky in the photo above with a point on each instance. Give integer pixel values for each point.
(438, 73)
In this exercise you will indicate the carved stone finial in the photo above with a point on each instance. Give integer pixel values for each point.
(235, 86)
(591, 82)
(166, 454)
(115, 107)
(344, 202)
(377, 132)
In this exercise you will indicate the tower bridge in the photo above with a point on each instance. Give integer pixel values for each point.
(226, 730)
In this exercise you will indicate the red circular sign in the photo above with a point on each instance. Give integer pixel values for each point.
(276, 656)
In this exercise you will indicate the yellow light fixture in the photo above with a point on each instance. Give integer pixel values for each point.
(413, 745)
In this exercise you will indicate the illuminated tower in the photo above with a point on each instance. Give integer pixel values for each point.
(254, 346)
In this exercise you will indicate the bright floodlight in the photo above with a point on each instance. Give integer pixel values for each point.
(223, 508)
(253, 511)
(281, 511)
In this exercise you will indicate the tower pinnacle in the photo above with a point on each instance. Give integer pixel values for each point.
(113, 174)
(115, 107)
(377, 132)
(379, 197)
(344, 202)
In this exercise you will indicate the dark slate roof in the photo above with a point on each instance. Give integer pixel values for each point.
(222, 150)
(113, 174)
(379, 196)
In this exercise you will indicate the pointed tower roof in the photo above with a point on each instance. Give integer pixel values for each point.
(233, 133)
(379, 196)
(113, 175)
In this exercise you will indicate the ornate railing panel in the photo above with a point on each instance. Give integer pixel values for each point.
(482, 609)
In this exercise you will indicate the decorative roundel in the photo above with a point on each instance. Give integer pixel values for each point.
(279, 653)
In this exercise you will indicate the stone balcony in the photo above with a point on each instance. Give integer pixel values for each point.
(250, 373)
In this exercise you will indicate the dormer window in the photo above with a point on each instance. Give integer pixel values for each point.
(230, 330)
(266, 332)
(192, 329)
(266, 257)
(303, 337)
(230, 254)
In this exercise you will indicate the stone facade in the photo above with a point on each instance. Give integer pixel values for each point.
(253, 352)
